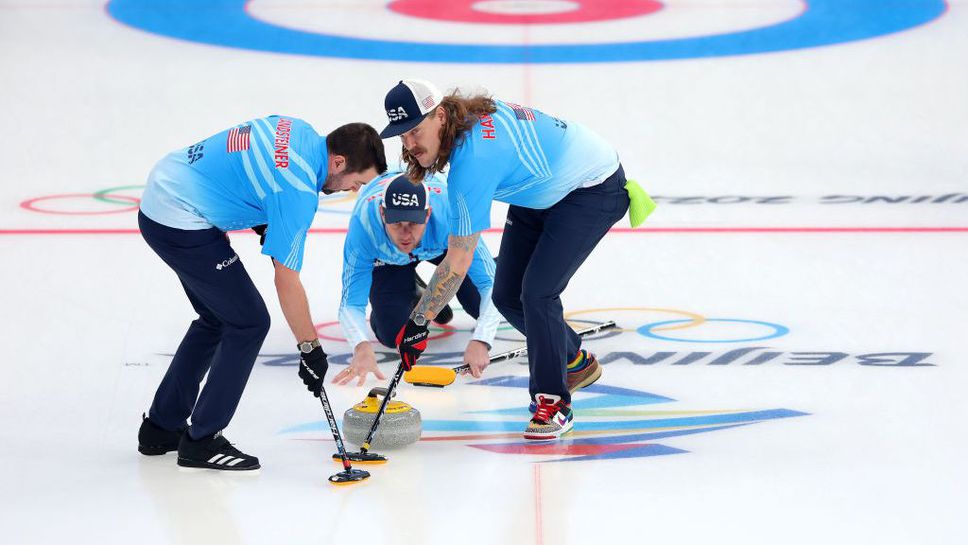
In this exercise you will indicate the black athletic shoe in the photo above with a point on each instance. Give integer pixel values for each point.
(214, 452)
(153, 440)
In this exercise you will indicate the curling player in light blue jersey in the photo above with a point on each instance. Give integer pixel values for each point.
(395, 225)
(566, 189)
(266, 174)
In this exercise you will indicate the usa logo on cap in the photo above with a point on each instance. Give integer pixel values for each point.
(404, 200)
(408, 103)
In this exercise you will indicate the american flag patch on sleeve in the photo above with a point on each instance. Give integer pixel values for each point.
(522, 113)
(238, 139)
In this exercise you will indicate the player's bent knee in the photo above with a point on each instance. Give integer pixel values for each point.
(386, 337)
(255, 324)
(537, 296)
(208, 322)
(505, 299)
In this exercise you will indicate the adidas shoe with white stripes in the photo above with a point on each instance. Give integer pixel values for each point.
(214, 452)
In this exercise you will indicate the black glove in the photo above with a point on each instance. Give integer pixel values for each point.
(261, 231)
(411, 342)
(312, 369)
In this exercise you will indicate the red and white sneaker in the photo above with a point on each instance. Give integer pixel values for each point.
(552, 419)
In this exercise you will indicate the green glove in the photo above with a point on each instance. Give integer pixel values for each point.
(641, 204)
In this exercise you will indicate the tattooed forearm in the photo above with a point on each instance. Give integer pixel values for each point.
(441, 289)
(463, 244)
(448, 276)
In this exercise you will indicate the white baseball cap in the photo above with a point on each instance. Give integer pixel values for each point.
(408, 103)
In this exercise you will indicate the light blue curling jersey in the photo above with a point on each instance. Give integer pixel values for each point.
(368, 245)
(523, 157)
(264, 171)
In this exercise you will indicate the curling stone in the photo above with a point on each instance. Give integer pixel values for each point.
(399, 425)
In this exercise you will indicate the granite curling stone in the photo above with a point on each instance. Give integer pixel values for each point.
(399, 425)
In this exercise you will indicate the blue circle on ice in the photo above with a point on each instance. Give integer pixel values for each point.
(778, 331)
(227, 23)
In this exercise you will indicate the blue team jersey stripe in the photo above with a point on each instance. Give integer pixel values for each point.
(525, 154)
(294, 259)
(267, 176)
(356, 288)
(350, 262)
(528, 138)
(301, 163)
(266, 140)
(527, 129)
(532, 139)
(247, 166)
(290, 178)
(464, 217)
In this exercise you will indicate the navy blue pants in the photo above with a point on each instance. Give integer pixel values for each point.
(225, 339)
(540, 252)
(393, 295)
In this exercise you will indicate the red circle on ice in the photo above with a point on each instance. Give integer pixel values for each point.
(448, 330)
(516, 12)
(31, 204)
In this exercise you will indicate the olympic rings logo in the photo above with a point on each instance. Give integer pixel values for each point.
(104, 196)
(687, 327)
(92, 204)
(708, 330)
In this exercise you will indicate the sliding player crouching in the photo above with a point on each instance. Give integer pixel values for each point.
(395, 225)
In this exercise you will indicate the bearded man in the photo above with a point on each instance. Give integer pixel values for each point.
(566, 188)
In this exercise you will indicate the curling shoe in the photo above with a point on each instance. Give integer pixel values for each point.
(154, 440)
(552, 419)
(583, 371)
(214, 452)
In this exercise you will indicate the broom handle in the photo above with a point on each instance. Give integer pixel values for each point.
(524, 349)
(383, 405)
(324, 399)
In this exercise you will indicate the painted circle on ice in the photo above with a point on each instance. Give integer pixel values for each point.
(778, 331)
(447, 332)
(693, 321)
(328, 204)
(227, 23)
(518, 12)
(517, 337)
(104, 194)
(31, 204)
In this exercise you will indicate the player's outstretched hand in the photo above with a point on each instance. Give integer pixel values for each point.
(477, 357)
(362, 364)
(411, 342)
(312, 369)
